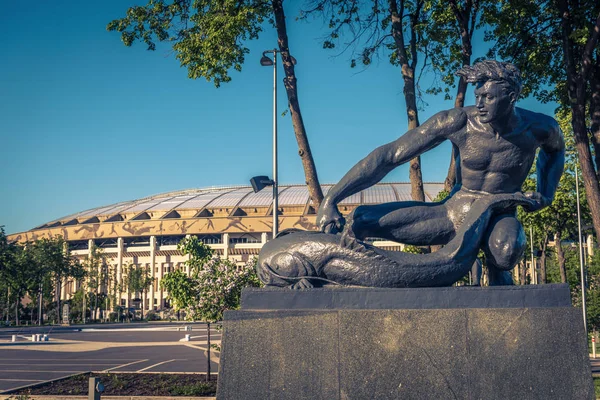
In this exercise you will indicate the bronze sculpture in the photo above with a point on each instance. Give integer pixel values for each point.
(496, 144)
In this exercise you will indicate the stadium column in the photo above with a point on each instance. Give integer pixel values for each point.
(152, 273)
(119, 265)
(226, 245)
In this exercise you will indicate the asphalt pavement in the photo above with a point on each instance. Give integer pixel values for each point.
(148, 348)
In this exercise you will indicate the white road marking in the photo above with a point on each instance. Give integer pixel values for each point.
(124, 365)
(62, 364)
(62, 359)
(156, 365)
(36, 370)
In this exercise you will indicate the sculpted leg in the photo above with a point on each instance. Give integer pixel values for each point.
(504, 248)
(407, 222)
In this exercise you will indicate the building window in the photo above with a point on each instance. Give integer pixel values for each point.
(210, 239)
(106, 243)
(137, 241)
(169, 240)
(78, 245)
(245, 239)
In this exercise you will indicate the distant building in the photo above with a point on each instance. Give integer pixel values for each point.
(234, 221)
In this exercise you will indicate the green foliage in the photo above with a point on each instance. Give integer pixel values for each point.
(530, 35)
(561, 216)
(31, 267)
(441, 195)
(412, 249)
(213, 285)
(207, 36)
(138, 279)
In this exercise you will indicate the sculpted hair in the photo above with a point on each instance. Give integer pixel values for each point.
(496, 71)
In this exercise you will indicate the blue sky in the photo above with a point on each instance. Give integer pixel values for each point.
(86, 121)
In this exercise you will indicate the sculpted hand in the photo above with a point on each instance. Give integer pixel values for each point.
(538, 201)
(329, 218)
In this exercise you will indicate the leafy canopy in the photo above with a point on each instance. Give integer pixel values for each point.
(207, 36)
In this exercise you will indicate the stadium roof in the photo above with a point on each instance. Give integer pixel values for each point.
(239, 197)
(210, 210)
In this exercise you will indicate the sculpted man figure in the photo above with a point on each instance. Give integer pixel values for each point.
(496, 144)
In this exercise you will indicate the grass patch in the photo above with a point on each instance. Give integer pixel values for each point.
(130, 385)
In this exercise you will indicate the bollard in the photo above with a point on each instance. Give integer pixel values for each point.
(95, 388)
(33, 338)
(14, 338)
(37, 337)
(594, 345)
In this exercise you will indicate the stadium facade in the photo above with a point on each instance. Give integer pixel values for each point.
(234, 221)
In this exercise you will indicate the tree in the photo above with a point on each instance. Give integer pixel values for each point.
(18, 276)
(559, 220)
(53, 254)
(393, 25)
(209, 38)
(449, 43)
(213, 285)
(554, 43)
(138, 280)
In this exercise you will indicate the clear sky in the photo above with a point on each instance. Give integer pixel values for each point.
(86, 121)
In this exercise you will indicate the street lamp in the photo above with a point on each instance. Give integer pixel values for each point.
(259, 182)
(582, 268)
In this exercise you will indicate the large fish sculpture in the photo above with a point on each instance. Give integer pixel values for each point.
(305, 258)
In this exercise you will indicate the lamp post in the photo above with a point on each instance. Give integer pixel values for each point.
(266, 62)
(582, 268)
(533, 269)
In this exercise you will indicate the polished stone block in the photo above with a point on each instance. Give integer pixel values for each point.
(333, 298)
(434, 353)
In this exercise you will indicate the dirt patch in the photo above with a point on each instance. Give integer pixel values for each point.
(131, 385)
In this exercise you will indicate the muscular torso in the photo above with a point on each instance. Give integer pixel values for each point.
(496, 163)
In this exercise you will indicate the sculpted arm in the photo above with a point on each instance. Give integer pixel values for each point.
(550, 164)
(382, 160)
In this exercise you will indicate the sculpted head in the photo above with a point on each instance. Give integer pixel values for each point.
(498, 85)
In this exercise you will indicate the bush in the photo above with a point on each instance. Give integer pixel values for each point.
(152, 316)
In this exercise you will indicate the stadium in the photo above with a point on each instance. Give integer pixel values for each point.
(234, 221)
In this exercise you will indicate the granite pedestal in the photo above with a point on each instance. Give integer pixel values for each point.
(432, 343)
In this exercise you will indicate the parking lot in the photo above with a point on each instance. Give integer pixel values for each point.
(150, 348)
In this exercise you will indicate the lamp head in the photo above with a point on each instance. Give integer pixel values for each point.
(259, 182)
(266, 61)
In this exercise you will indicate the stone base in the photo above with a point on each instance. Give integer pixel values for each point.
(459, 353)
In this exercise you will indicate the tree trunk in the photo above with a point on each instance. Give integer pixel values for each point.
(595, 112)
(7, 305)
(576, 84)
(463, 19)
(208, 351)
(40, 306)
(522, 273)
(560, 256)
(143, 303)
(290, 83)
(17, 310)
(408, 75)
(96, 304)
(543, 260)
(58, 289)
